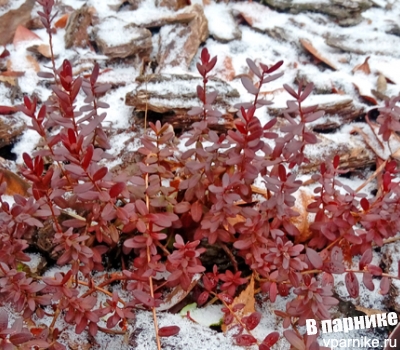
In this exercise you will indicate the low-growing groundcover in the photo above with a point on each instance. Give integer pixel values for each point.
(129, 241)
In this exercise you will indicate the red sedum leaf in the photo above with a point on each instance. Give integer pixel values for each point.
(245, 340)
(168, 331)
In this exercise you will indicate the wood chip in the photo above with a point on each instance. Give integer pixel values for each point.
(179, 43)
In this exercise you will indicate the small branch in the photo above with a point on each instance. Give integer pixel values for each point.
(372, 177)
(94, 288)
(373, 131)
(110, 331)
(230, 255)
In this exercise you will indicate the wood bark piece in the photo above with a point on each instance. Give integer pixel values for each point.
(127, 39)
(353, 154)
(178, 43)
(76, 31)
(347, 12)
(164, 93)
(182, 17)
(173, 95)
(221, 23)
(342, 107)
(12, 19)
(261, 18)
(10, 129)
(357, 42)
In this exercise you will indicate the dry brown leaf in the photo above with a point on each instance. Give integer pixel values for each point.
(24, 34)
(178, 294)
(368, 311)
(62, 21)
(364, 67)
(301, 221)
(235, 220)
(246, 298)
(313, 51)
(15, 184)
(9, 80)
(381, 84)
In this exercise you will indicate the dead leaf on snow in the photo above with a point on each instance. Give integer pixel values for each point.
(313, 51)
(62, 21)
(364, 67)
(246, 298)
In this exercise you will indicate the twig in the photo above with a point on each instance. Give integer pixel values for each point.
(148, 248)
(373, 131)
(373, 176)
(230, 255)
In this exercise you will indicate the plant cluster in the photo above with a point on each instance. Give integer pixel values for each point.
(162, 217)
